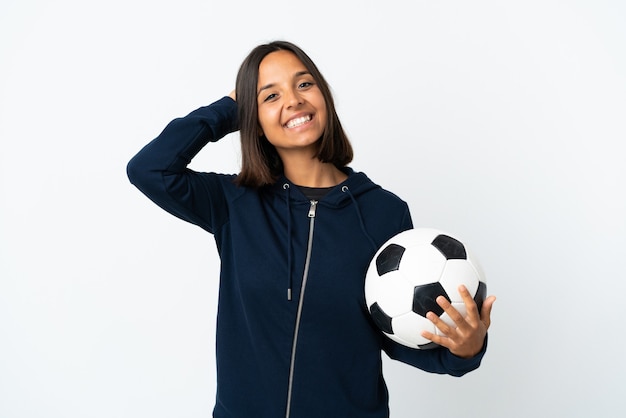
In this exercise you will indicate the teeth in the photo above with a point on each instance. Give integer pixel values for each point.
(298, 121)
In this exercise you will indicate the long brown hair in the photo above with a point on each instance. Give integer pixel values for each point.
(260, 162)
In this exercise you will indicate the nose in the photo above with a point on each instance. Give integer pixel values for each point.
(293, 98)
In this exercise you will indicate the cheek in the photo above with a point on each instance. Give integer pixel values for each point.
(323, 117)
(261, 127)
(321, 109)
(267, 121)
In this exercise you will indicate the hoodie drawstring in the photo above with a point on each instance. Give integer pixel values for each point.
(289, 277)
(346, 190)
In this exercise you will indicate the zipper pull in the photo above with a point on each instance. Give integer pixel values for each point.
(312, 208)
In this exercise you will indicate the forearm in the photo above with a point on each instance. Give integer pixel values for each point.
(181, 140)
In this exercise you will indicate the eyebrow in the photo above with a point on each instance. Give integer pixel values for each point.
(269, 86)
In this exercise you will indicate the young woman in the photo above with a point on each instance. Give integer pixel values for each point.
(295, 230)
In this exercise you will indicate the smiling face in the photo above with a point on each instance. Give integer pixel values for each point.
(291, 108)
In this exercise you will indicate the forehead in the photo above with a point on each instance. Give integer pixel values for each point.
(279, 64)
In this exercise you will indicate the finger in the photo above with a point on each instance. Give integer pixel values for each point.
(485, 314)
(443, 337)
(456, 316)
(440, 324)
(470, 303)
(442, 340)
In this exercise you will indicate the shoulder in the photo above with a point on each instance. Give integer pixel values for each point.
(383, 211)
(367, 190)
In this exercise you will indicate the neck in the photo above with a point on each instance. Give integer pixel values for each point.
(310, 172)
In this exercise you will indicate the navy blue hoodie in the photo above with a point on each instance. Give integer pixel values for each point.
(317, 353)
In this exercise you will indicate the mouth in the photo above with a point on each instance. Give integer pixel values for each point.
(295, 122)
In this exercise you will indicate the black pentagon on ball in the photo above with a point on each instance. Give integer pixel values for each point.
(381, 319)
(451, 248)
(480, 295)
(389, 259)
(424, 298)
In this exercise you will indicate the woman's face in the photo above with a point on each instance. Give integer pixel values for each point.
(292, 111)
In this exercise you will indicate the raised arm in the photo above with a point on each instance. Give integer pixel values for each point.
(160, 170)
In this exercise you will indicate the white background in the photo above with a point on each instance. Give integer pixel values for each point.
(498, 121)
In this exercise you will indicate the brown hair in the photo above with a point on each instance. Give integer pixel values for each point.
(260, 162)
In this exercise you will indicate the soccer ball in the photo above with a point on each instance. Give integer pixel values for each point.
(409, 272)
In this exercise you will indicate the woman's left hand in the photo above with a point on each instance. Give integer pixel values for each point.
(466, 339)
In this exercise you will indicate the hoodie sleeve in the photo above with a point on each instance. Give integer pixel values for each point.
(438, 360)
(159, 170)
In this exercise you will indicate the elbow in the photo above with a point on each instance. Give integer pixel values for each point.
(136, 171)
(145, 176)
(132, 171)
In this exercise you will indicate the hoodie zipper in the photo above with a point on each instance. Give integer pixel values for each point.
(305, 275)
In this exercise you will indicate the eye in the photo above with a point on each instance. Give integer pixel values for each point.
(305, 84)
(269, 97)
